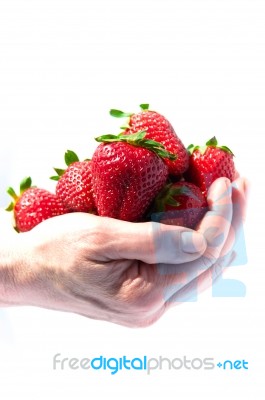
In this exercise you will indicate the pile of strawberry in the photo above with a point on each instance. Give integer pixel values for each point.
(144, 173)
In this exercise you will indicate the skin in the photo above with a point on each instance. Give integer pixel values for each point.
(125, 273)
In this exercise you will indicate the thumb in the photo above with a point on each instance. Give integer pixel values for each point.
(152, 242)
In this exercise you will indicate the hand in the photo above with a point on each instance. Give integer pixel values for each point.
(194, 277)
(114, 270)
(89, 265)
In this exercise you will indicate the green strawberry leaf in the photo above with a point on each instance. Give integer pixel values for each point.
(25, 184)
(108, 138)
(55, 178)
(178, 191)
(10, 207)
(119, 114)
(59, 171)
(70, 157)
(163, 153)
(227, 150)
(191, 148)
(138, 139)
(144, 106)
(172, 202)
(151, 142)
(134, 137)
(212, 142)
(12, 193)
(165, 197)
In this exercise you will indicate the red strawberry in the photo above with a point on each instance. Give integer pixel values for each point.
(74, 186)
(157, 128)
(127, 177)
(181, 204)
(33, 206)
(209, 163)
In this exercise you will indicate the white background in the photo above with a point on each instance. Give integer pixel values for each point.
(63, 65)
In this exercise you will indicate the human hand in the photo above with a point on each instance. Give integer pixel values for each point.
(222, 247)
(113, 270)
(89, 265)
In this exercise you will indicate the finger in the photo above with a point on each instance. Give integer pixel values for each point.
(189, 292)
(215, 227)
(216, 223)
(233, 251)
(183, 283)
(236, 234)
(152, 242)
(112, 239)
(240, 191)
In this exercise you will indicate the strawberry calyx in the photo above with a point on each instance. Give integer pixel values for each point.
(210, 143)
(167, 196)
(25, 184)
(138, 139)
(69, 157)
(121, 114)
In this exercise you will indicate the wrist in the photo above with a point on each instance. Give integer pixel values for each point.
(13, 267)
(7, 275)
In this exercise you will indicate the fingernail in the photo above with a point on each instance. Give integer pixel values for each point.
(192, 242)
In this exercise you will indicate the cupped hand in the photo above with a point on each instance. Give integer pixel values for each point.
(221, 227)
(121, 272)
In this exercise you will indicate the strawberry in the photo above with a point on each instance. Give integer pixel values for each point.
(157, 128)
(127, 173)
(74, 186)
(209, 163)
(33, 206)
(181, 204)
